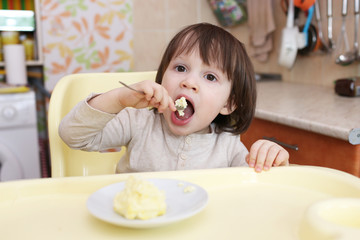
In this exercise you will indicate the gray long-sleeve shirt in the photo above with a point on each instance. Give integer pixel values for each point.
(150, 144)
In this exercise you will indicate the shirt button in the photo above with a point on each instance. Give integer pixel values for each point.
(188, 140)
(183, 156)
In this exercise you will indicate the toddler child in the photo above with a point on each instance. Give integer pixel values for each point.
(210, 68)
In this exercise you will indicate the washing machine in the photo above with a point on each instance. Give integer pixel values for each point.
(19, 144)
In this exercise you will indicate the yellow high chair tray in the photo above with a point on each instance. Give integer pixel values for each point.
(67, 93)
(285, 203)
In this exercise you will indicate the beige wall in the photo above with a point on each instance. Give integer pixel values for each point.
(156, 21)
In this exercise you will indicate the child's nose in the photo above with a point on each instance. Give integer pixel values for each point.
(190, 84)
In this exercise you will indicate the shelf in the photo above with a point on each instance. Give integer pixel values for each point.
(37, 37)
(28, 63)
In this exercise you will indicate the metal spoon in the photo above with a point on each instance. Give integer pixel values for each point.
(356, 45)
(330, 23)
(350, 56)
(347, 57)
(125, 85)
(324, 46)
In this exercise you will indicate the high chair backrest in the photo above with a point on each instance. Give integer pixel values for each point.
(70, 90)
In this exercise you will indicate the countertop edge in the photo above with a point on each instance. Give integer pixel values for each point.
(331, 131)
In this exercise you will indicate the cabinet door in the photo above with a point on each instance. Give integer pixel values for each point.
(312, 148)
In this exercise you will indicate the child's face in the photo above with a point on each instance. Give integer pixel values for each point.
(206, 89)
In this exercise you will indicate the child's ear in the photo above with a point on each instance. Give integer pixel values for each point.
(228, 109)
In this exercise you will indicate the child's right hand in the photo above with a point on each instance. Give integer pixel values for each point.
(155, 95)
(265, 154)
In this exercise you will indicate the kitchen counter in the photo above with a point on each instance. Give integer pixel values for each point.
(309, 107)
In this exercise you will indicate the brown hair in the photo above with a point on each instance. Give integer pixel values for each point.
(217, 46)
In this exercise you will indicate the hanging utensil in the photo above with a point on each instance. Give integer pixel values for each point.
(289, 40)
(324, 46)
(344, 57)
(352, 55)
(357, 16)
(329, 18)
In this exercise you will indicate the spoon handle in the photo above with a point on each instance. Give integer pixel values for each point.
(356, 45)
(125, 85)
(344, 7)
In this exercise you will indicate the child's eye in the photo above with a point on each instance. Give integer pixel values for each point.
(210, 77)
(180, 68)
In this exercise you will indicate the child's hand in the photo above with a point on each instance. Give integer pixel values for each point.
(117, 99)
(264, 154)
(154, 95)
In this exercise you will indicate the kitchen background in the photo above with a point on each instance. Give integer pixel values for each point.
(156, 21)
(131, 35)
(136, 32)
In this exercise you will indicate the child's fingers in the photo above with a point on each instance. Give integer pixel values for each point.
(253, 153)
(172, 104)
(262, 155)
(272, 155)
(282, 158)
(164, 101)
(161, 100)
(258, 154)
(247, 158)
(159, 93)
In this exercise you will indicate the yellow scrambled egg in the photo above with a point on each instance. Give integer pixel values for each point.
(140, 200)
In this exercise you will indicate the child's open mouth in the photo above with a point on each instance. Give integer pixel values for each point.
(185, 109)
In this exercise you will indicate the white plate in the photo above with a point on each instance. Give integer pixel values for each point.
(180, 204)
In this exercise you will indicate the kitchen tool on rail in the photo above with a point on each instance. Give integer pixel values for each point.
(324, 46)
(352, 55)
(309, 35)
(330, 23)
(342, 47)
(304, 5)
(357, 16)
(289, 40)
(304, 35)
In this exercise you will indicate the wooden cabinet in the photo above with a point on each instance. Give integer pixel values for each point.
(313, 149)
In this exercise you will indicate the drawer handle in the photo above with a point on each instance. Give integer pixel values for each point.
(293, 147)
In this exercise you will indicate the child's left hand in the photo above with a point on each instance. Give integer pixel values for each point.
(265, 154)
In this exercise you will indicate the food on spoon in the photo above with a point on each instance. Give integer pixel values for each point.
(180, 105)
(140, 199)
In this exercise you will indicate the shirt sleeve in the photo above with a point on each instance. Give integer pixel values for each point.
(83, 127)
(89, 129)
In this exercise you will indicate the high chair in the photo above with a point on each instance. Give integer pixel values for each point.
(67, 93)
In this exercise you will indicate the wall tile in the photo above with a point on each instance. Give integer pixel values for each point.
(148, 49)
(182, 13)
(206, 13)
(149, 14)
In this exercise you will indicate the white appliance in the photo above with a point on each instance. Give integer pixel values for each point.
(19, 149)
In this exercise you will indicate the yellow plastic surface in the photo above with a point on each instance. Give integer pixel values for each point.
(242, 205)
(67, 93)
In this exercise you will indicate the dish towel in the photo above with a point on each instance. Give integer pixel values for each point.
(261, 26)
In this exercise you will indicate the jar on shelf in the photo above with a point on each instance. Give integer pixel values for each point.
(10, 37)
(28, 42)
